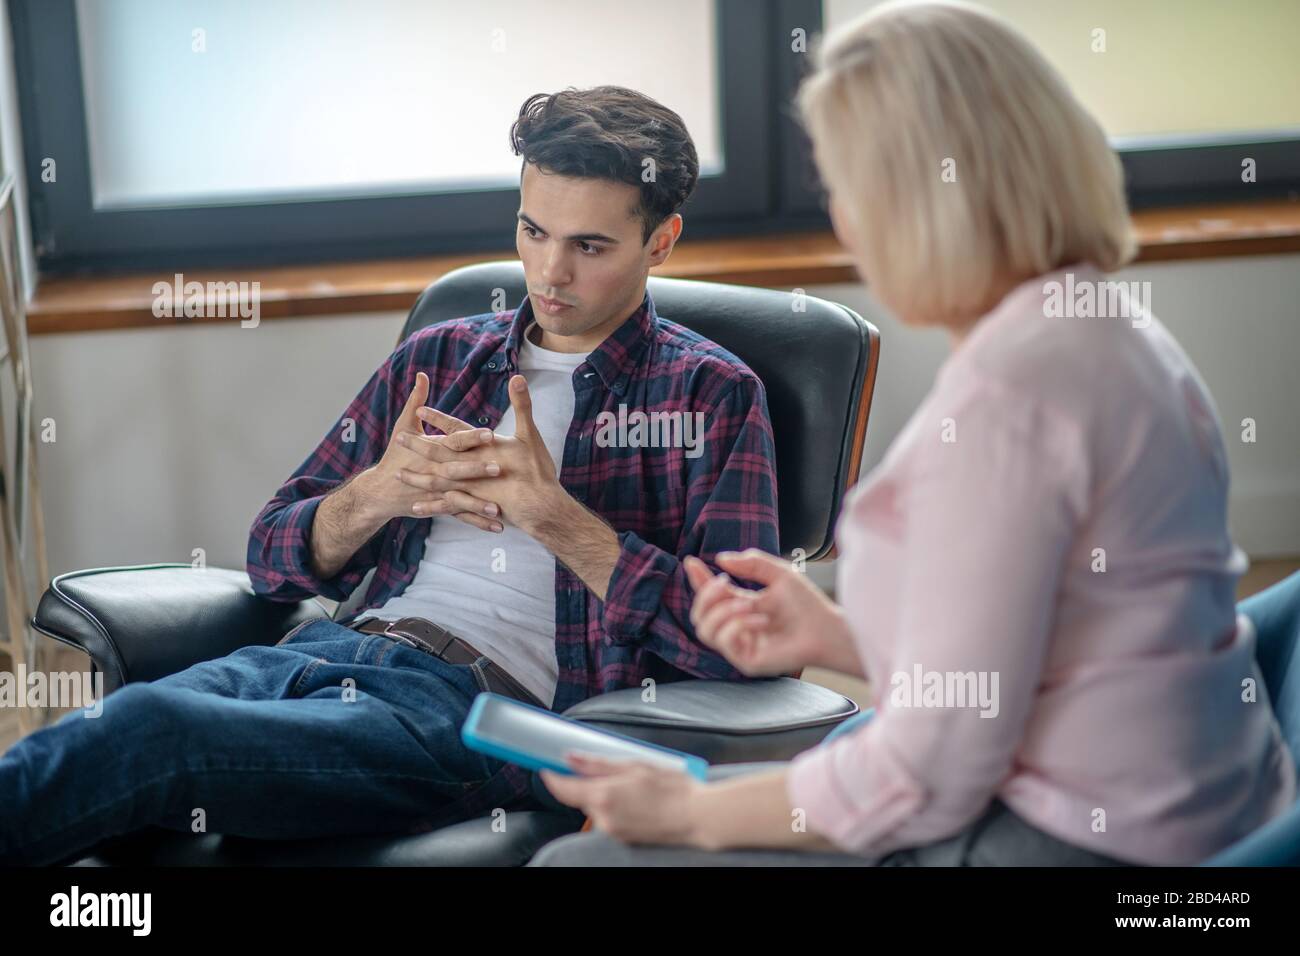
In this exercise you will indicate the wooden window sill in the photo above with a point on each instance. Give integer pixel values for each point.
(97, 303)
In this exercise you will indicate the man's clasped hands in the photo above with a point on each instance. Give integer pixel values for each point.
(473, 474)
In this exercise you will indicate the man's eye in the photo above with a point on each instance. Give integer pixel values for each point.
(589, 249)
(532, 233)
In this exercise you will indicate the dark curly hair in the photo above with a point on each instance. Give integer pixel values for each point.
(607, 132)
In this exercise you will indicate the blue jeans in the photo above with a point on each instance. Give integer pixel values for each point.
(330, 732)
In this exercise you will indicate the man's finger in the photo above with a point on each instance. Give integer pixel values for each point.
(478, 521)
(426, 446)
(419, 395)
(458, 504)
(460, 501)
(440, 506)
(435, 447)
(443, 421)
(421, 480)
(466, 470)
(522, 402)
(463, 440)
(443, 476)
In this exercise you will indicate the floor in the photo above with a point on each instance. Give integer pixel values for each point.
(62, 658)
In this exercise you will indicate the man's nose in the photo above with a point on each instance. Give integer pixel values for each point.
(555, 267)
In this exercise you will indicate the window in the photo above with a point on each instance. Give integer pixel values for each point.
(315, 99)
(188, 132)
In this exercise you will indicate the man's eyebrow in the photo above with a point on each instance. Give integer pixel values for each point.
(581, 237)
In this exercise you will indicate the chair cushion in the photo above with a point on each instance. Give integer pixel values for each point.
(723, 721)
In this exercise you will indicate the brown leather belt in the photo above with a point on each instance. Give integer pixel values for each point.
(441, 643)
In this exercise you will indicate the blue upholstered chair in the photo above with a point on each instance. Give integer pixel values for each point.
(1276, 615)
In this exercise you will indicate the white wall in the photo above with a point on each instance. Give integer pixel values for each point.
(171, 439)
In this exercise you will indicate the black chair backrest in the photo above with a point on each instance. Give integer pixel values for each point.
(816, 359)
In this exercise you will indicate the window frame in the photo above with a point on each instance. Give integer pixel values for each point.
(1182, 170)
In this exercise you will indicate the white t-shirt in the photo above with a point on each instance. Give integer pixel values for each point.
(497, 591)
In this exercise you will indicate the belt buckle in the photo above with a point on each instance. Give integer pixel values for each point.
(418, 643)
(389, 632)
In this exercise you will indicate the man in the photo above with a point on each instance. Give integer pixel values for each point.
(524, 539)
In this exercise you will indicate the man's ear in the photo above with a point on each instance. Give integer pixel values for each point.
(664, 238)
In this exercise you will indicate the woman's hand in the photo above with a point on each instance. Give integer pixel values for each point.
(786, 626)
(633, 802)
(645, 803)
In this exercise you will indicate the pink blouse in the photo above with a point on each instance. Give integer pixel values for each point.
(1039, 582)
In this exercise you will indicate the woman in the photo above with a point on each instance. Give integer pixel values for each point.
(1037, 579)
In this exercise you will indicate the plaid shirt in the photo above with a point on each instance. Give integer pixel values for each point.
(664, 503)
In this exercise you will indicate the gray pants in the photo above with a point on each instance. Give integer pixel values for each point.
(999, 837)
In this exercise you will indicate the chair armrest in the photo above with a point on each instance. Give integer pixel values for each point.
(753, 725)
(723, 721)
(142, 622)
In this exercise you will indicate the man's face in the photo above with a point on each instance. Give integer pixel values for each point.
(580, 243)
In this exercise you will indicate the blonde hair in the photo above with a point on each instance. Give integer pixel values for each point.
(910, 96)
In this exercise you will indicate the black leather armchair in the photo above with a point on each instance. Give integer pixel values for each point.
(818, 365)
